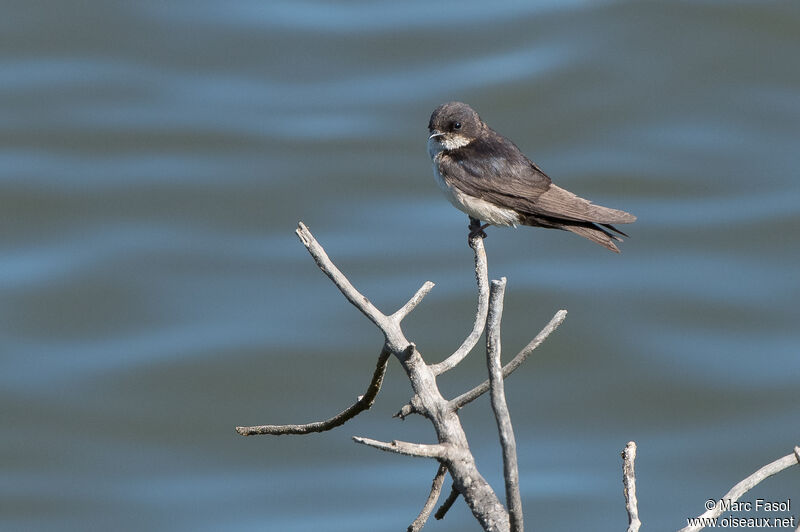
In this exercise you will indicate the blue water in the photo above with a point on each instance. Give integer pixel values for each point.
(156, 158)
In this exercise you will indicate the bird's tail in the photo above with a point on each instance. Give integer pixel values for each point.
(596, 234)
(601, 233)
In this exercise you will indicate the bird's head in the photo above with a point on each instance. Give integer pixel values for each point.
(453, 125)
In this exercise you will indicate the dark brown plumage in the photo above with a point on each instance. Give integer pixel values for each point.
(485, 175)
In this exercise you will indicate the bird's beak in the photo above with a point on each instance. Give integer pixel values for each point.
(435, 134)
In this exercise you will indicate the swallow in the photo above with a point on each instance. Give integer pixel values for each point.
(485, 175)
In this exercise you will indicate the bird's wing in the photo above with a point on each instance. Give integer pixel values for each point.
(564, 204)
(495, 170)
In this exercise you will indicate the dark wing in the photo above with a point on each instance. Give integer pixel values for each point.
(564, 204)
(494, 169)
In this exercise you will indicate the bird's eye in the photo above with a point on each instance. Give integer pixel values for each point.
(457, 125)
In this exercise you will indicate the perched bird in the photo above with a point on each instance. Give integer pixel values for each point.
(485, 175)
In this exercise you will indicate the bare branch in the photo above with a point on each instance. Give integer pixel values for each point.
(482, 277)
(509, 368)
(413, 302)
(629, 486)
(746, 485)
(364, 402)
(557, 319)
(412, 407)
(342, 283)
(501, 414)
(436, 489)
(422, 450)
(448, 502)
(452, 449)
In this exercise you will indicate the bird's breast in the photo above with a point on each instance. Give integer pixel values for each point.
(476, 207)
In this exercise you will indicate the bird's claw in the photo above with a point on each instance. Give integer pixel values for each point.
(476, 230)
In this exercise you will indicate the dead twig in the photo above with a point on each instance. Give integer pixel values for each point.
(448, 502)
(420, 450)
(743, 487)
(433, 496)
(482, 277)
(516, 362)
(364, 402)
(501, 414)
(629, 486)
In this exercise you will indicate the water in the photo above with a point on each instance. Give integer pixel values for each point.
(155, 159)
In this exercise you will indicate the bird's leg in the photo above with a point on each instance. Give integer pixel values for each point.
(476, 229)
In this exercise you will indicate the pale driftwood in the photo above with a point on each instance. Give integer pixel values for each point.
(508, 369)
(447, 504)
(412, 303)
(516, 362)
(482, 277)
(721, 505)
(439, 451)
(629, 486)
(364, 402)
(746, 485)
(433, 496)
(452, 450)
(499, 406)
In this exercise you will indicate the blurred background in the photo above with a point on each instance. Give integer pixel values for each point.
(156, 158)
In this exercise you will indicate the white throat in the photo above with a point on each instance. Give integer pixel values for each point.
(438, 144)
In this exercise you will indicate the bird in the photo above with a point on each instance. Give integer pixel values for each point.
(486, 175)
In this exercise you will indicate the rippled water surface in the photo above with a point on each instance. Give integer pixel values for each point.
(156, 157)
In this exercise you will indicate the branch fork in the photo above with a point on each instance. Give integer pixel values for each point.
(452, 451)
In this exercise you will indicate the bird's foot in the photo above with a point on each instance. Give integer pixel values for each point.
(475, 230)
